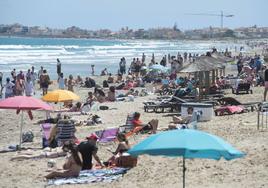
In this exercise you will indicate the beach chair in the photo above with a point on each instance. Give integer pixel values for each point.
(45, 128)
(250, 106)
(107, 135)
(195, 118)
(129, 129)
(242, 88)
(169, 103)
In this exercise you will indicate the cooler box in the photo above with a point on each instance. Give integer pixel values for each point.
(207, 110)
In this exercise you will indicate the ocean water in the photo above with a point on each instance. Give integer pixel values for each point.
(77, 55)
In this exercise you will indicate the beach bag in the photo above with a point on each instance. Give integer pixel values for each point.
(127, 161)
(27, 136)
(53, 143)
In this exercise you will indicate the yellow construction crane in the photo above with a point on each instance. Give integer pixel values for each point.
(221, 15)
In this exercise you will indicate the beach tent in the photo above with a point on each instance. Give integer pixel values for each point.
(188, 144)
(60, 96)
(23, 103)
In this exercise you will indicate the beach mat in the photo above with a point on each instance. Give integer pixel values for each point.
(91, 176)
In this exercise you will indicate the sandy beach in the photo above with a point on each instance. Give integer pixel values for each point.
(240, 130)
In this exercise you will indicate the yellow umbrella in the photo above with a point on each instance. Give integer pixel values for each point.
(60, 96)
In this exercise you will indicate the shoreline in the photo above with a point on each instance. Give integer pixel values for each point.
(220, 39)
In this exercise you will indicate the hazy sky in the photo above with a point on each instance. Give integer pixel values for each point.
(114, 14)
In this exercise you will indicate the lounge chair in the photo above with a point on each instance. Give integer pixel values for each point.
(242, 88)
(171, 103)
(250, 106)
(195, 118)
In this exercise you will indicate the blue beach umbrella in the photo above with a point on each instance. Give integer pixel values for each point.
(188, 144)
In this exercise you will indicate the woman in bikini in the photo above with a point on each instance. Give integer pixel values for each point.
(122, 147)
(71, 167)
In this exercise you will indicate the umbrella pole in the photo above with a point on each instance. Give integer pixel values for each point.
(21, 123)
(183, 170)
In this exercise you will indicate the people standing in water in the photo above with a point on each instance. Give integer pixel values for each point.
(58, 67)
(29, 88)
(93, 70)
(143, 58)
(61, 81)
(122, 66)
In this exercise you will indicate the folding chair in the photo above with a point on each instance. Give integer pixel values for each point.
(45, 128)
(107, 135)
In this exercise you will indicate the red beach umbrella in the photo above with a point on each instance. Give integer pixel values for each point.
(22, 103)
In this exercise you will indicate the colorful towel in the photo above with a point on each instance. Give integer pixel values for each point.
(229, 110)
(92, 176)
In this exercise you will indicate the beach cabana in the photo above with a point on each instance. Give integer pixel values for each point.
(23, 103)
(202, 66)
(188, 144)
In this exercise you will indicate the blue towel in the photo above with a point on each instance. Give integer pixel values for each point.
(92, 176)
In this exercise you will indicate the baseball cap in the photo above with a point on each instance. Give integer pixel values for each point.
(92, 136)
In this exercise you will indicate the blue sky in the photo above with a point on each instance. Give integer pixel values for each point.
(114, 14)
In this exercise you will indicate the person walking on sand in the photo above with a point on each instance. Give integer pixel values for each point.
(265, 83)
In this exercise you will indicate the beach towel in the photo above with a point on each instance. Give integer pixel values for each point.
(92, 176)
(229, 110)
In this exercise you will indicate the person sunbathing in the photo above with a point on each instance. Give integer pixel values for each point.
(181, 122)
(45, 153)
(150, 126)
(72, 166)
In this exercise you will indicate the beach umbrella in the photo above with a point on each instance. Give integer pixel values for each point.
(188, 144)
(60, 96)
(23, 103)
(203, 63)
(158, 68)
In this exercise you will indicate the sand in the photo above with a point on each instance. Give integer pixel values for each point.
(240, 130)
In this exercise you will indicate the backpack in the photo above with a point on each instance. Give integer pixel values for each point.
(27, 136)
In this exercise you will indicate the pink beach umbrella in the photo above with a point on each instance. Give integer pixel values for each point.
(22, 103)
